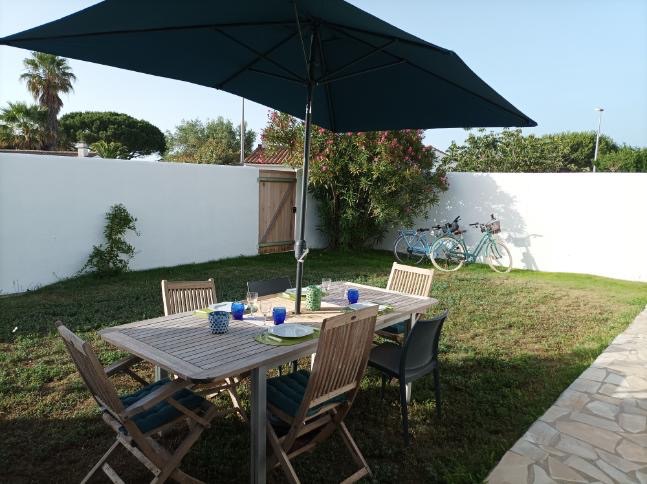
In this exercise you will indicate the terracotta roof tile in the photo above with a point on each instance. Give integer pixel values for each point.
(261, 157)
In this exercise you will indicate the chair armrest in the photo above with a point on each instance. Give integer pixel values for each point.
(155, 397)
(121, 365)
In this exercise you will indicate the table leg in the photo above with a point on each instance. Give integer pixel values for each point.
(160, 373)
(412, 320)
(257, 423)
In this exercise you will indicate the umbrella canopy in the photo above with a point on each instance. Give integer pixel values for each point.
(351, 70)
(369, 75)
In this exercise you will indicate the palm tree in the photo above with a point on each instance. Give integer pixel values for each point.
(46, 76)
(22, 126)
(112, 149)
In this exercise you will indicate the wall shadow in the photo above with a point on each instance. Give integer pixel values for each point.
(484, 197)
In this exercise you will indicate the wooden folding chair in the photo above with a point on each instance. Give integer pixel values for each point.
(407, 280)
(314, 405)
(182, 296)
(137, 417)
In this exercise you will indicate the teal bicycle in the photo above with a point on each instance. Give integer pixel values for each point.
(449, 253)
(412, 246)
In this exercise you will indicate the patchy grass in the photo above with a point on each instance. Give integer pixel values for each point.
(511, 345)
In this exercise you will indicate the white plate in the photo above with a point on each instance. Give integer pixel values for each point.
(290, 330)
(364, 305)
(293, 291)
(224, 306)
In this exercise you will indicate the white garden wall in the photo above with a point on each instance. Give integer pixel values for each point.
(52, 212)
(315, 238)
(52, 208)
(593, 223)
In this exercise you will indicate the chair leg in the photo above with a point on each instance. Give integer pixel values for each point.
(235, 399)
(281, 456)
(383, 385)
(354, 449)
(184, 478)
(295, 366)
(437, 389)
(405, 412)
(99, 464)
(171, 465)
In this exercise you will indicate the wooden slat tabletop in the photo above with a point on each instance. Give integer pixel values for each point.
(183, 343)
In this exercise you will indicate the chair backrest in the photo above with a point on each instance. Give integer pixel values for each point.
(91, 371)
(410, 280)
(421, 346)
(342, 354)
(269, 286)
(181, 296)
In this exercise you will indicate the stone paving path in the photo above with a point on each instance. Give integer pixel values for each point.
(596, 431)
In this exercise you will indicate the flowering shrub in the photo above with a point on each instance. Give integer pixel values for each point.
(365, 183)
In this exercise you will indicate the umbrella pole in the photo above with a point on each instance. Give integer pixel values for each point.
(300, 250)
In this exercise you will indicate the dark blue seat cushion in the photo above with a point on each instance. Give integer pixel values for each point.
(397, 328)
(163, 412)
(286, 392)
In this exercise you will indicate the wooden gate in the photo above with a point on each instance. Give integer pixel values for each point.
(276, 198)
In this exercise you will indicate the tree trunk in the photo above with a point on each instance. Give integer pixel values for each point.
(51, 137)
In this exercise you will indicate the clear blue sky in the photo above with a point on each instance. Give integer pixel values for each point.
(556, 60)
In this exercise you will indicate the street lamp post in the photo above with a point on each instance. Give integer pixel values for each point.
(597, 138)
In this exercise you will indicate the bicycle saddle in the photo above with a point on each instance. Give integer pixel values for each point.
(459, 232)
(423, 230)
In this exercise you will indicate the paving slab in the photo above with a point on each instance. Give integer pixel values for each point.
(596, 431)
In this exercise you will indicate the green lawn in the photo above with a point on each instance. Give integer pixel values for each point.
(510, 346)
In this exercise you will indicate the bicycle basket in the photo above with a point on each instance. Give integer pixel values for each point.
(494, 227)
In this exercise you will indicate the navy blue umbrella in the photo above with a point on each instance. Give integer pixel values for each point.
(350, 70)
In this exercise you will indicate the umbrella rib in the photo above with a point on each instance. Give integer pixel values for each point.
(331, 111)
(278, 76)
(259, 56)
(365, 71)
(427, 71)
(419, 43)
(303, 45)
(146, 30)
(359, 59)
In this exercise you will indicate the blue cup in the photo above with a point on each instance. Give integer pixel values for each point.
(219, 322)
(237, 310)
(278, 315)
(353, 295)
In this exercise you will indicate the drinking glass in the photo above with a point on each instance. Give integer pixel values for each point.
(237, 310)
(278, 314)
(353, 295)
(325, 284)
(252, 299)
(266, 310)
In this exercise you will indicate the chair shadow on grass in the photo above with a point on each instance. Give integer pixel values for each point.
(488, 403)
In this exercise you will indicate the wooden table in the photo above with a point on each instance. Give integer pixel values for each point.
(183, 344)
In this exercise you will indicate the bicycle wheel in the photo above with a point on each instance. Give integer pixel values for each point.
(447, 254)
(498, 257)
(409, 249)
